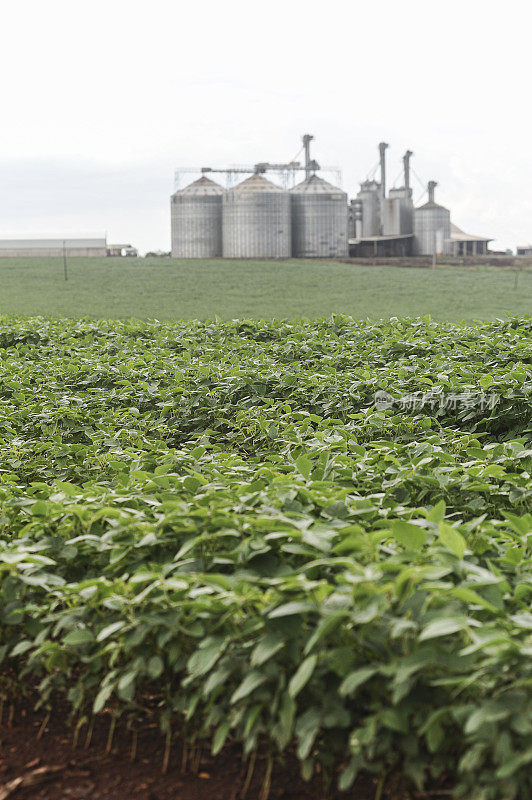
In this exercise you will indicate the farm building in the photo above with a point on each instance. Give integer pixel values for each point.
(122, 250)
(465, 244)
(52, 248)
(313, 219)
(384, 224)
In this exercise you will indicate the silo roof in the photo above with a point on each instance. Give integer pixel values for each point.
(202, 186)
(256, 183)
(430, 205)
(315, 185)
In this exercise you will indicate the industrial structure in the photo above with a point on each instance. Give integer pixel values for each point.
(95, 247)
(121, 250)
(53, 248)
(258, 219)
(319, 219)
(197, 220)
(389, 225)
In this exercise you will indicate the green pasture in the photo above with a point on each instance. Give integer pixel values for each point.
(164, 288)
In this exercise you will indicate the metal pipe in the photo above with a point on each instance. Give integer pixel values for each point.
(307, 138)
(406, 166)
(432, 185)
(382, 156)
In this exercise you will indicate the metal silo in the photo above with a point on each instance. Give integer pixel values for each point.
(256, 220)
(319, 220)
(398, 212)
(432, 226)
(370, 197)
(197, 220)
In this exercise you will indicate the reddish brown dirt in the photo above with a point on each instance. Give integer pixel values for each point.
(96, 775)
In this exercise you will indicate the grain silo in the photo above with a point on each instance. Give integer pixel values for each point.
(256, 220)
(399, 207)
(398, 212)
(197, 220)
(319, 220)
(432, 226)
(369, 197)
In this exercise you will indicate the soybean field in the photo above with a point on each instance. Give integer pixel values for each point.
(308, 537)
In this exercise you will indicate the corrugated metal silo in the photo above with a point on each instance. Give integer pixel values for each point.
(319, 220)
(432, 227)
(369, 195)
(197, 220)
(256, 220)
(398, 212)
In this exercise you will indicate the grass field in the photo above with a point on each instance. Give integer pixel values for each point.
(173, 289)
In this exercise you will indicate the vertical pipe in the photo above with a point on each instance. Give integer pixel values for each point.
(307, 138)
(382, 155)
(406, 166)
(432, 185)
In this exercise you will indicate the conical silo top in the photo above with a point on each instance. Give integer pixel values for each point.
(203, 186)
(256, 184)
(431, 205)
(316, 185)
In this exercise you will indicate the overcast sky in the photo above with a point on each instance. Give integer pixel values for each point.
(102, 100)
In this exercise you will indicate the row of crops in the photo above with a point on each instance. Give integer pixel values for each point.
(217, 524)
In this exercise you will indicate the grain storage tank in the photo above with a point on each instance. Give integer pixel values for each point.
(432, 226)
(370, 198)
(319, 219)
(196, 213)
(398, 212)
(256, 220)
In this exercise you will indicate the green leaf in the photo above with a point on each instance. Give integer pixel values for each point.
(251, 682)
(437, 514)
(326, 626)
(21, 647)
(155, 667)
(102, 697)
(306, 730)
(220, 737)
(266, 647)
(355, 679)
(411, 537)
(284, 729)
(108, 631)
(349, 774)
(512, 765)
(126, 685)
(302, 676)
(206, 656)
(442, 627)
(452, 539)
(292, 608)
(304, 465)
(78, 637)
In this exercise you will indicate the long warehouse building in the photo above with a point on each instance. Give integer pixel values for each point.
(52, 248)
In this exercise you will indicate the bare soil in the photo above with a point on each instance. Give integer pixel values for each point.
(52, 767)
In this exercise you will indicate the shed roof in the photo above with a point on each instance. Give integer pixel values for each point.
(458, 235)
(389, 238)
(29, 244)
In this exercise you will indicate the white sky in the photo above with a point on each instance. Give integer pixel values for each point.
(102, 100)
